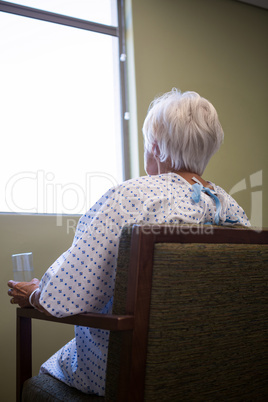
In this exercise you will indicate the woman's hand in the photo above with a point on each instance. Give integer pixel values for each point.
(20, 291)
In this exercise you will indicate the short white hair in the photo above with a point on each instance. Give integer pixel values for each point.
(186, 129)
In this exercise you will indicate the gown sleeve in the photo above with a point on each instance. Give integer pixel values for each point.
(82, 279)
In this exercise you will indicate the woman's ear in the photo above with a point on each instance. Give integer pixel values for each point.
(155, 150)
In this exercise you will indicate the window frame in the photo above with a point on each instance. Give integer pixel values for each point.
(119, 32)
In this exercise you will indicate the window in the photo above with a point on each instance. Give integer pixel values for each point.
(62, 102)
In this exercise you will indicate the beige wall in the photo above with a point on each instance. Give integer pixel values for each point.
(215, 47)
(219, 49)
(47, 238)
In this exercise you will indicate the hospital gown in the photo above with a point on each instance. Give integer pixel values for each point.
(83, 278)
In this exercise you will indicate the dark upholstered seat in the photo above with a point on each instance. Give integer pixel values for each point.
(46, 388)
(190, 319)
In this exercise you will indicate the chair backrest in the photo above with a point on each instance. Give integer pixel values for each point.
(189, 320)
(199, 297)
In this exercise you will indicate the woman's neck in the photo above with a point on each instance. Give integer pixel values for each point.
(164, 167)
(188, 176)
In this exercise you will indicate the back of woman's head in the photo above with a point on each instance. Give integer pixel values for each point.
(186, 129)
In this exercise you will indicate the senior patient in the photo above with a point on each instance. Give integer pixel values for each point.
(181, 133)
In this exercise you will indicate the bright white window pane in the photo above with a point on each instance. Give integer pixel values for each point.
(60, 116)
(100, 11)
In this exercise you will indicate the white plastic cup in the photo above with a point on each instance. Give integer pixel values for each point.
(22, 267)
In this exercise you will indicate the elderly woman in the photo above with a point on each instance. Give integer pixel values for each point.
(181, 133)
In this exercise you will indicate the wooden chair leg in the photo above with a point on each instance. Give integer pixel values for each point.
(24, 353)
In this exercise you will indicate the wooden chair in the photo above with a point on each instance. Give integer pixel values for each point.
(189, 320)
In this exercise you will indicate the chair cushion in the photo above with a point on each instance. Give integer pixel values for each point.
(44, 388)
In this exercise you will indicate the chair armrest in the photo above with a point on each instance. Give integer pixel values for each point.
(102, 321)
(24, 334)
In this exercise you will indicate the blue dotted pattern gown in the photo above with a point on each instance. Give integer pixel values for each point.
(82, 279)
